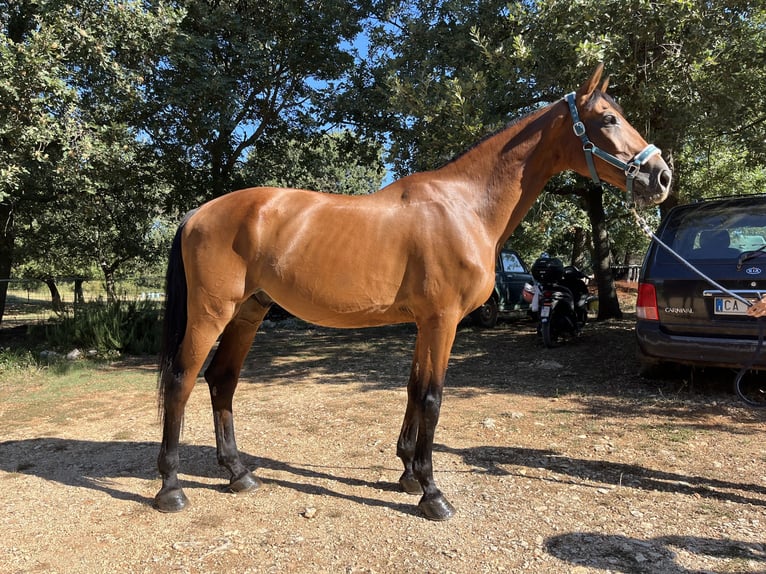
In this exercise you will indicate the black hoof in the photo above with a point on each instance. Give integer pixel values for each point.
(244, 483)
(173, 500)
(437, 509)
(410, 485)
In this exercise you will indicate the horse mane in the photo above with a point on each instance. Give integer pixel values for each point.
(594, 97)
(490, 135)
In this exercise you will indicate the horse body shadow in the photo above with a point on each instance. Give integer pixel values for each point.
(98, 465)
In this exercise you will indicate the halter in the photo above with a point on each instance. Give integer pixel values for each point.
(630, 168)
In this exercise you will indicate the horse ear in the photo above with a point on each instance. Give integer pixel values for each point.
(605, 85)
(590, 86)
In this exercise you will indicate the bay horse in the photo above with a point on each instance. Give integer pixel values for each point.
(420, 250)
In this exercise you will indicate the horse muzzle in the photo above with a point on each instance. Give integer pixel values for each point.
(647, 176)
(651, 184)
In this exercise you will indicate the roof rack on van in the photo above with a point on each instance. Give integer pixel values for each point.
(718, 197)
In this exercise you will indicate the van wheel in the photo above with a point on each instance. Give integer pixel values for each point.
(657, 371)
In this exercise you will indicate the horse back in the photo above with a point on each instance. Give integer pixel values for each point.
(336, 260)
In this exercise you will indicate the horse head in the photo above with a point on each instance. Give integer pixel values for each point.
(613, 150)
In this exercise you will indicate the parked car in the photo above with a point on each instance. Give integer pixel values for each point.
(511, 274)
(681, 318)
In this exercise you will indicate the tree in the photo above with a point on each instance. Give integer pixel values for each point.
(323, 162)
(72, 79)
(456, 70)
(238, 70)
(428, 87)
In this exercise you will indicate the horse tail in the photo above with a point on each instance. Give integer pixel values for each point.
(175, 316)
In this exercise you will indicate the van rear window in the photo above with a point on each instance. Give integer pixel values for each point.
(719, 230)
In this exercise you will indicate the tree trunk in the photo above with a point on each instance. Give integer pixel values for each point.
(111, 286)
(79, 298)
(608, 303)
(579, 247)
(6, 252)
(55, 294)
(109, 281)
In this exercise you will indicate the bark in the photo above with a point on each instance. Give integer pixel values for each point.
(56, 302)
(111, 286)
(79, 298)
(579, 247)
(110, 281)
(6, 252)
(608, 303)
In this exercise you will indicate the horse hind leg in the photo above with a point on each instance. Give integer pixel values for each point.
(178, 381)
(222, 376)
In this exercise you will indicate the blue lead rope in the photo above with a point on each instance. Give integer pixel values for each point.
(644, 226)
(631, 170)
(648, 231)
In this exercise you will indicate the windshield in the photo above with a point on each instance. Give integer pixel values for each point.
(717, 230)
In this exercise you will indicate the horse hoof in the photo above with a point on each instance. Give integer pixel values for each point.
(246, 482)
(437, 509)
(410, 485)
(171, 500)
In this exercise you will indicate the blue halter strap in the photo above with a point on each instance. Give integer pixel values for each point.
(630, 168)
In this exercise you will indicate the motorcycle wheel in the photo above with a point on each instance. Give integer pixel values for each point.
(549, 330)
(548, 338)
(558, 325)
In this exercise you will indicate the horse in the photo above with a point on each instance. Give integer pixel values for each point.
(421, 250)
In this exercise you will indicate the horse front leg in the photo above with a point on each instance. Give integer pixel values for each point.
(405, 447)
(424, 398)
(222, 376)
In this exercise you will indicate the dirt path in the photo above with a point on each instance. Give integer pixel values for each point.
(557, 461)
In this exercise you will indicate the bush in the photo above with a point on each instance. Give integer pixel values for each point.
(132, 327)
(14, 361)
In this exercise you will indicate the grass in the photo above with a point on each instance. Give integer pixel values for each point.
(65, 389)
(35, 386)
(31, 303)
(669, 433)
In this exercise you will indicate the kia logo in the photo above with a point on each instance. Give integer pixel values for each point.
(753, 270)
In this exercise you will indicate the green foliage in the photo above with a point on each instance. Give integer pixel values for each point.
(334, 162)
(14, 361)
(720, 170)
(237, 71)
(440, 93)
(82, 187)
(132, 327)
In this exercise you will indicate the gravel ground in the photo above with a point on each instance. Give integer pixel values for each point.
(559, 460)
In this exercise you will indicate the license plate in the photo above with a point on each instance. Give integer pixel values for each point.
(729, 306)
(545, 311)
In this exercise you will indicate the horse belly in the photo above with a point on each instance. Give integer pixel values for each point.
(339, 297)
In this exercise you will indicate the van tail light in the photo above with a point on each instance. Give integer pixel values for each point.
(646, 304)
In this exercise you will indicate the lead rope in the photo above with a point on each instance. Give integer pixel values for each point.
(738, 384)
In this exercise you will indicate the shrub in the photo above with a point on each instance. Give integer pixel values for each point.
(132, 327)
(14, 361)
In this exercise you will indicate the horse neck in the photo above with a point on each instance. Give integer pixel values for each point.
(507, 171)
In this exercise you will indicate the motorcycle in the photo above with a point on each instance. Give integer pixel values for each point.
(562, 300)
